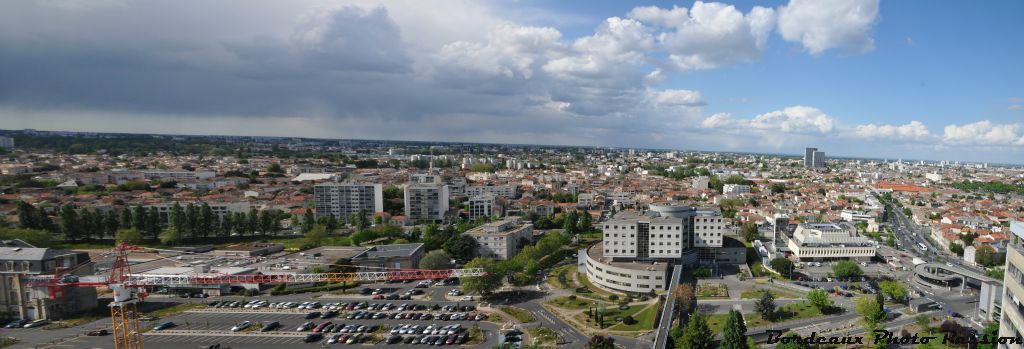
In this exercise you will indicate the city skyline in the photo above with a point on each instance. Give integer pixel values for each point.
(887, 81)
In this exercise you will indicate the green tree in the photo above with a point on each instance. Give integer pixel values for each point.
(735, 333)
(207, 221)
(171, 236)
(463, 247)
(139, 218)
(436, 259)
(191, 221)
(870, 311)
(153, 224)
(35, 237)
(129, 236)
(275, 168)
(697, 334)
(308, 220)
(991, 331)
(126, 218)
(483, 284)
(820, 300)
(110, 223)
(28, 216)
(985, 255)
(956, 248)
(846, 269)
(177, 217)
(782, 265)
(600, 342)
(69, 223)
(315, 237)
(765, 306)
(749, 232)
(893, 289)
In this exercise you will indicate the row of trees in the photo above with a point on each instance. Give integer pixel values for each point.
(191, 221)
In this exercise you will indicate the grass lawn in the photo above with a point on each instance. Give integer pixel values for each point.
(561, 277)
(644, 320)
(756, 294)
(595, 291)
(789, 312)
(565, 302)
(543, 336)
(522, 315)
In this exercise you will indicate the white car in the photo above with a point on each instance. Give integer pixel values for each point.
(467, 298)
(241, 326)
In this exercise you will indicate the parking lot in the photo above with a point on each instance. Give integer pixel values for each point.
(360, 314)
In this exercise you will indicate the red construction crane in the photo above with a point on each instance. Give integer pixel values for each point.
(129, 289)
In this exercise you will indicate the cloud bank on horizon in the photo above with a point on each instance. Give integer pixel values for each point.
(447, 70)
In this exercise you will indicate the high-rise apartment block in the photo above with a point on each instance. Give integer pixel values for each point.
(814, 158)
(426, 199)
(345, 199)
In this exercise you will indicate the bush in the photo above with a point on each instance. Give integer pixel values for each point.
(701, 273)
(572, 297)
(628, 320)
(613, 298)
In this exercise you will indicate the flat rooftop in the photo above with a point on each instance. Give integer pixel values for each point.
(389, 251)
(597, 252)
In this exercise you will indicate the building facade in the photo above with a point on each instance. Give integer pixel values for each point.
(6, 142)
(24, 301)
(666, 232)
(1011, 317)
(345, 199)
(501, 239)
(506, 191)
(426, 202)
(482, 206)
(830, 241)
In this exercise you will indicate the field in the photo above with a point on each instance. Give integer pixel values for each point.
(756, 294)
(562, 277)
(521, 315)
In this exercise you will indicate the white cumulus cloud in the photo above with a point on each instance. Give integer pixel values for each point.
(914, 130)
(795, 119)
(985, 133)
(820, 25)
(710, 35)
(687, 98)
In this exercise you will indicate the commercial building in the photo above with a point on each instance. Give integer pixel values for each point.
(818, 159)
(345, 199)
(177, 175)
(584, 200)
(830, 241)
(506, 191)
(400, 256)
(735, 189)
(426, 201)
(639, 246)
(1011, 317)
(483, 206)
(6, 142)
(809, 156)
(501, 239)
(19, 259)
(248, 250)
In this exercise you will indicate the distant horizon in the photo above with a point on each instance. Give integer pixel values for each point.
(798, 155)
(861, 78)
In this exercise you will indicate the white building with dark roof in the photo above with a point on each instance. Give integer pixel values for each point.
(830, 241)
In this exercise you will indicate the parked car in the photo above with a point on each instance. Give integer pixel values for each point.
(17, 323)
(163, 326)
(313, 337)
(270, 327)
(101, 332)
(241, 326)
(37, 323)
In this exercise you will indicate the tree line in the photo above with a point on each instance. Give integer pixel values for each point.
(146, 223)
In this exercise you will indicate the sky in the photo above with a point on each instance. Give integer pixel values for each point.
(935, 80)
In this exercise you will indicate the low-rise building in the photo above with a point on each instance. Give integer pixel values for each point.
(830, 241)
(501, 239)
(19, 260)
(383, 257)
